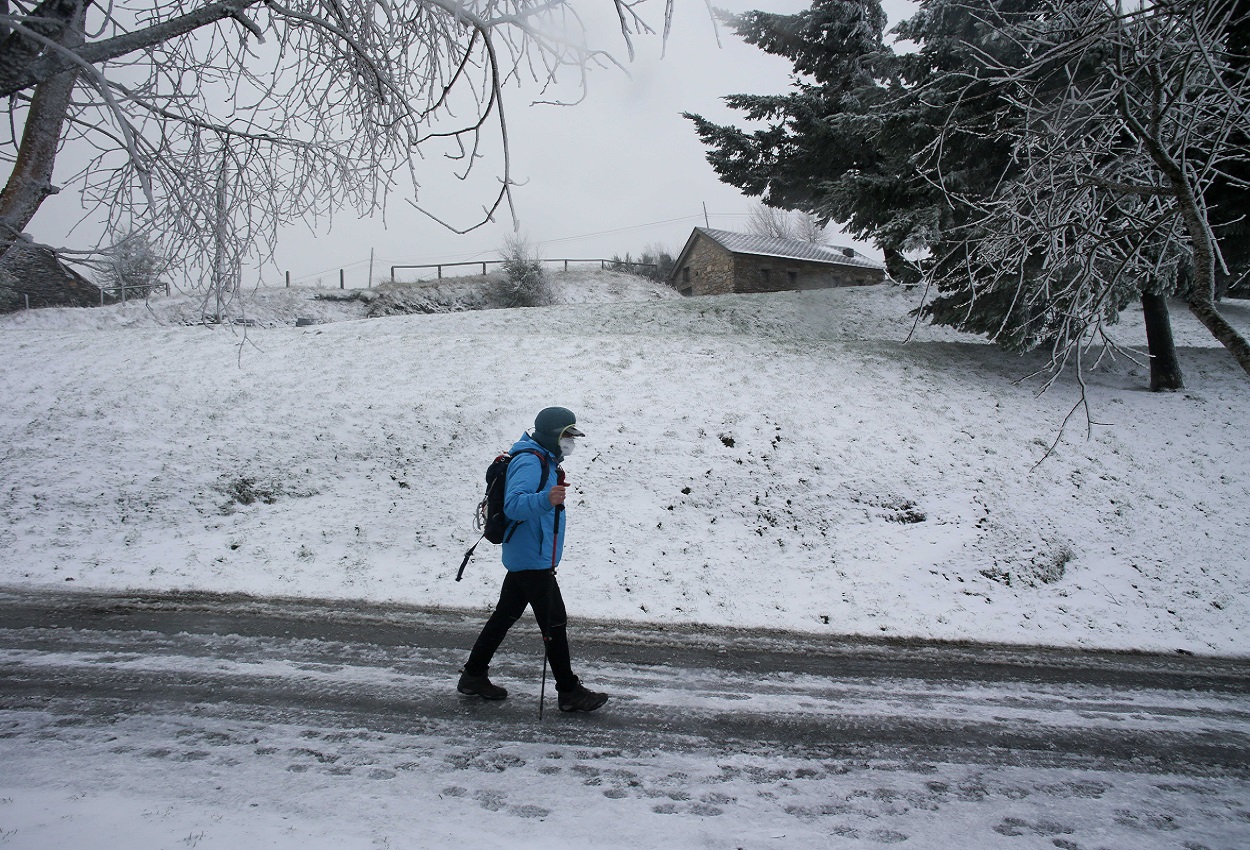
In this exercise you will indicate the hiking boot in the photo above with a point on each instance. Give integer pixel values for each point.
(480, 686)
(581, 699)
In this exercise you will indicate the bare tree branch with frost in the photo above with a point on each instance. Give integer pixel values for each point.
(775, 223)
(210, 125)
(1120, 122)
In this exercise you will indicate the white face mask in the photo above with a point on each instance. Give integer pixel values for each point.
(566, 445)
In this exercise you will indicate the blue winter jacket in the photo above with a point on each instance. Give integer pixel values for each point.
(529, 546)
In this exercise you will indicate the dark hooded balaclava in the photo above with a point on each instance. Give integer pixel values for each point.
(550, 424)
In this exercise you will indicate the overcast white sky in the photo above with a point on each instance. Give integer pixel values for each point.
(617, 173)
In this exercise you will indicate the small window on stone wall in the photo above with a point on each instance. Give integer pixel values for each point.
(765, 274)
(793, 276)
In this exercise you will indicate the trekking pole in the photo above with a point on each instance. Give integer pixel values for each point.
(551, 596)
(467, 556)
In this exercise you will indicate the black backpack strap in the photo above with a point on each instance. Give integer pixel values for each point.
(542, 459)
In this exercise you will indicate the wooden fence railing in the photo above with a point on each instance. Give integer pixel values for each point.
(603, 264)
(119, 293)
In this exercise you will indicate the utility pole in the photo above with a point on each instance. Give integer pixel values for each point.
(220, 262)
(705, 221)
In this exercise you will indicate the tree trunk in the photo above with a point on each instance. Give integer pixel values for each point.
(25, 48)
(30, 182)
(1222, 330)
(1165, 368)
(1202, 293)
(1201, 296)
(25, 63)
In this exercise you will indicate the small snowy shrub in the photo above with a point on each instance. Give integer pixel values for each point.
(1045, 567)
(524, 284)
(247, 491)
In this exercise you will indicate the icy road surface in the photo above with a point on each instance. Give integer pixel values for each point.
(196, 721)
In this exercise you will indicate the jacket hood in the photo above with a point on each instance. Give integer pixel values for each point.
(527, 442)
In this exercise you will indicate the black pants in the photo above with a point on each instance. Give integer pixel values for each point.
(539, 590)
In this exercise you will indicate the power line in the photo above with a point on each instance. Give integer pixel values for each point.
(640, 227)
(618, 230)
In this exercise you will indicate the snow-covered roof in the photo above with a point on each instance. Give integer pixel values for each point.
(790, 249)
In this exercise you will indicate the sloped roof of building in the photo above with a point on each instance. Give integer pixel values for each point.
(790, 249)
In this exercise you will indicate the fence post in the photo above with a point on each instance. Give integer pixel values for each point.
(341, 279)
(288, 278)
(483, 269)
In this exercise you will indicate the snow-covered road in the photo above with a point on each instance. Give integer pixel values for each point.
(206, 721)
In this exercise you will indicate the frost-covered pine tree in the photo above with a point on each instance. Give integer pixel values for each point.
(1050, 162)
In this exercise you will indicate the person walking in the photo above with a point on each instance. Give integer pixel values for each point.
(534, 502)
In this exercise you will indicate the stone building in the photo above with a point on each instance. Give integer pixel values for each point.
(32, 276)
(715, 262)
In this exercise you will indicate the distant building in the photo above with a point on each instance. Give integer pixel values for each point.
(716, 262)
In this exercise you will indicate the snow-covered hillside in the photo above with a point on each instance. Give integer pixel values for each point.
(783, 461)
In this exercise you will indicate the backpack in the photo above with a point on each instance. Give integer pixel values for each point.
(490, 517)
(495, 525)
